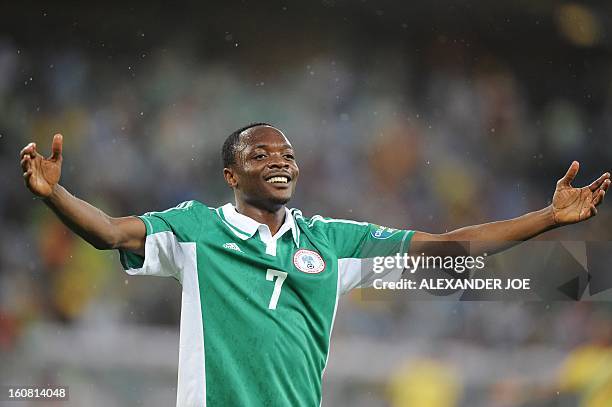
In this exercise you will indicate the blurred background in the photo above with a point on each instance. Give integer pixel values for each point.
(427, 115)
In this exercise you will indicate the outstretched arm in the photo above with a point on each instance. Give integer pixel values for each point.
(569, 205)
(42, 175)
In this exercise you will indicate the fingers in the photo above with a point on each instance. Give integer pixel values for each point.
(599, 181)
(599, 197)
(26, 163)
(56, 147)
(27, 175)
(30, 150)
(570, 174)
(593, 210)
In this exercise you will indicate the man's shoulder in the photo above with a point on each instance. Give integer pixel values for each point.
(320, 221)
(188, 211)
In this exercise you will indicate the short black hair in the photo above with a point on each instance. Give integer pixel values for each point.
(228, 152)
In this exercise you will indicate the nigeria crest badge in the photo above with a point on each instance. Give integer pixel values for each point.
(308, 261)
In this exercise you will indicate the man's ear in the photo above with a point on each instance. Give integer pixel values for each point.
(231, 180)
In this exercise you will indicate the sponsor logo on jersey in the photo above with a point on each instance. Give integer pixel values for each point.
(382, 232)
(308, 261)
(232, 246)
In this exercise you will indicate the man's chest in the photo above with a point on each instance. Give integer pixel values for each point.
(244, 269)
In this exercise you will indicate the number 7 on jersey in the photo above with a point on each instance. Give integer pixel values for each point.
(278, 284)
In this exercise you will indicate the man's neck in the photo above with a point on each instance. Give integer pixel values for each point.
(273, 218)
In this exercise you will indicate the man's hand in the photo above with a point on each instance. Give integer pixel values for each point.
(42, 174)
(571, 205)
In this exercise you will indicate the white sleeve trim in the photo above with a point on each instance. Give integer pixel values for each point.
(359, 273)
(319, 218)
(164, 257)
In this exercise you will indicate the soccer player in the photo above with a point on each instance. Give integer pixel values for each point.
(260, 282)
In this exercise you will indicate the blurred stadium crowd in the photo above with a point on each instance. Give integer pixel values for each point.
(453, 130)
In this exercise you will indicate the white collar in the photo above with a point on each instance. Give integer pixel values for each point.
(245, 227)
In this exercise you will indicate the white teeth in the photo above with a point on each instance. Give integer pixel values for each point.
(276, 180)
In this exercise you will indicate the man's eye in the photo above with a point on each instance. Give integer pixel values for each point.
(260, 156)
(289, 156)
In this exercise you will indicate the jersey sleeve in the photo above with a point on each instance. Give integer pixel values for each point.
(358, 244)
(168, 246)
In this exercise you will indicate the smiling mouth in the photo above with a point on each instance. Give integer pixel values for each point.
(278, 180)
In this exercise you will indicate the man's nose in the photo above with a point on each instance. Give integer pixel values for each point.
(277, 162)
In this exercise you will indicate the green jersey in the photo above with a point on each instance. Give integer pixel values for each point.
(257, 310)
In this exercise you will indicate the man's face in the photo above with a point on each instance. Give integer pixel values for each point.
(265, 172)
